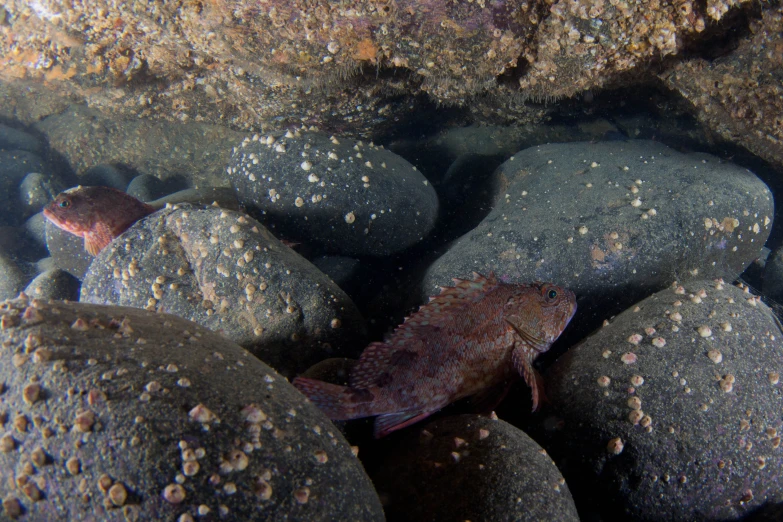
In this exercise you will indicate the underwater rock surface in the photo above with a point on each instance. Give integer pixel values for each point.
(118, 414)
(672, 410)
(347, 197)
(470, 467)
(613, 221)
(225, 271)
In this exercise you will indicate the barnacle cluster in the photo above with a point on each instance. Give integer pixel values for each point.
(740, 96)
(351, 66)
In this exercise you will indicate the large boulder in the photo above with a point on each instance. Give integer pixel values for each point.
(672, 410)
(613, 221)
(224, 270)
(121, 414)
(347, 197)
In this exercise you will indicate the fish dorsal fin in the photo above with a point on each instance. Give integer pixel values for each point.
(463, 293)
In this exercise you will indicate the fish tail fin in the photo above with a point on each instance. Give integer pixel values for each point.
(337, 402)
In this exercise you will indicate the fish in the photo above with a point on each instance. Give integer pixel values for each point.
(97, 214)
(473, 339)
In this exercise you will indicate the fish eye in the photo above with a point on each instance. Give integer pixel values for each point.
(65, 203)
(552, 294)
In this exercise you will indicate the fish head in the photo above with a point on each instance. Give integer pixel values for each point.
(71, 211)
(539, 313)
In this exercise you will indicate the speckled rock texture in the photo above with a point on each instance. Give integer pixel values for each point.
(119, 414)
(347, 197)
(740, 96)
(226, 272)
(469, 467)
(672, 410)
(613, 221)
(54, 284)
(12, 279)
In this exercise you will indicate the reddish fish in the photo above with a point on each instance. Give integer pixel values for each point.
(97, 214)
(471, 339)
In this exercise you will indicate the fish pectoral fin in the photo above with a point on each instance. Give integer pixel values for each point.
(527, 337)
(523, 362)
(97, 238)
(385, 424)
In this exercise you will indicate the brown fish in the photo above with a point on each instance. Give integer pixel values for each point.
(97, 214)
(468, 340)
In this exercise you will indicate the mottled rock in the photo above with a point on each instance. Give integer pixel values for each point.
(613, 221)
(54, 284)
(120, 414)
(348, 197)
(739, 96)
(672, 410)
(468, 467)
(225, 271)
(36, 190)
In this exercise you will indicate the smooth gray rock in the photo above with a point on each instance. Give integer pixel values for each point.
(105, 176)
(14, 166)
(13, 139)
(225, 271)
(469, 467)
(346, 197)
(672, 410)
(119, 414)
(613, 221)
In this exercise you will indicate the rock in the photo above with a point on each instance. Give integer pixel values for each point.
(67, 250)
(12, 279)
(14, 166)
(54, 284)
(147, 187)
(773, 276)
(225, 271)
(123, 414)
(346, 197)
(105, 175)
(35, 226)
(672, 410)
(13, 139)
(613, 221)
(17, 244)
(468, 467)
(36, 190)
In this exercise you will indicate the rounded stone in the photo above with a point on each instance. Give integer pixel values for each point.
(225, 271)
(546, 225)
(54, 284)
(347, 197)
(706, 445)
(470, 467)
(130, 398)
